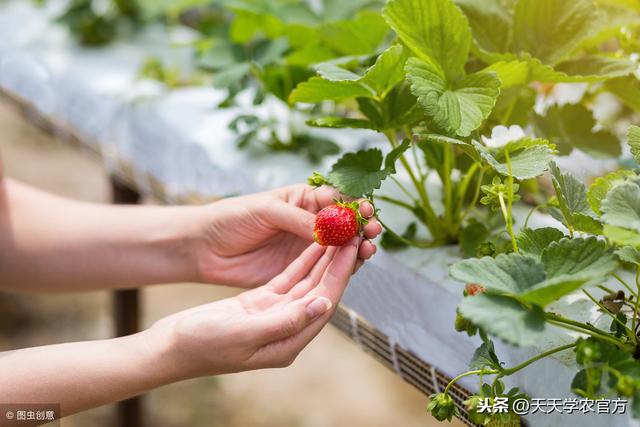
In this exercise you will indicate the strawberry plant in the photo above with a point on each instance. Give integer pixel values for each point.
(519, 288)
(443, 92)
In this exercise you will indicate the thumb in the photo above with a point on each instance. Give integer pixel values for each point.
(290, 319)
(293, 219)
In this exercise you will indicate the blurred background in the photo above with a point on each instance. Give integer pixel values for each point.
(332, 383)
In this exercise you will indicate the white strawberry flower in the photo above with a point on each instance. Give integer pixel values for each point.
(502, 135)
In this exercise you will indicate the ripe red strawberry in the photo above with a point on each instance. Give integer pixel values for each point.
(474, 289)
(337, 224)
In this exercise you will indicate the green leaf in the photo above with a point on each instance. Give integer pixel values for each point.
(633, 139)
(471, 236)
(485, 357)
(550, 30)
(586, 223)
(505, 318)
(585, 69)
(317, 89)
(627, 89)
(390, 241)
(456, 109)
(621, 207)
(622, 236)
(544, 293)
(570, 192)
(424, 139)
(587, 381)
(402, 107)
(593, 68)
(629, 254)
(527, 163)
(509, 273)
(341, 122)
(390, 160)
(337, 84)
(435, 30)
(230, 75)
(332, 72)
(511, 73)
(571, 126)
(514, 106)
(387, 71)
(357, 174)
(601, 186)
(535, 241)
(579, 257)
(490, 22)
(358, 36)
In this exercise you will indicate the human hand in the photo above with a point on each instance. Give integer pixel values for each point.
(248, 240)
(261, 328)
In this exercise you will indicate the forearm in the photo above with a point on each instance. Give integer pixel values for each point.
(48, 243)
(84, 375)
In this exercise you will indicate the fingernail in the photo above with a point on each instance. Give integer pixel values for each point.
(318, 306)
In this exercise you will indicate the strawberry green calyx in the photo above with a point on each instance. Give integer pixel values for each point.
(317, 180)
(355, 207)
(442, 407)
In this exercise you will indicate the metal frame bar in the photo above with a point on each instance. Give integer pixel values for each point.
(126, 313)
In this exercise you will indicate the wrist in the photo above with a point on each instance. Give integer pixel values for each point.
(162, 356)
(178, 236)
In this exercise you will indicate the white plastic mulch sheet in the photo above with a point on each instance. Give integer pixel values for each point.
(179, 138)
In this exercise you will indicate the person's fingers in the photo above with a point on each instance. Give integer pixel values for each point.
(288, 320)
(366, 250)
(366, 209)
(332, 285)
(359, 264)
(292, 219)
(308, 283)
(372, 229)
(325, 196)
(336, 277)
(282, 353)
(297, 270)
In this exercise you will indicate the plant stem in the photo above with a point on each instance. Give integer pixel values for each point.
(604, 288)
(507, 220)
(402, 187)
(416, 160)
(619, 279)
(446, 183)
(526, 363)
(395, 202)
(510, 202)
(635, 310)
(613, 316)
(582, 328)
(526, 221)
(432, 220)
(464, 185)
(567, 321)
(466, 374)
(476, 196)
(587, 332)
